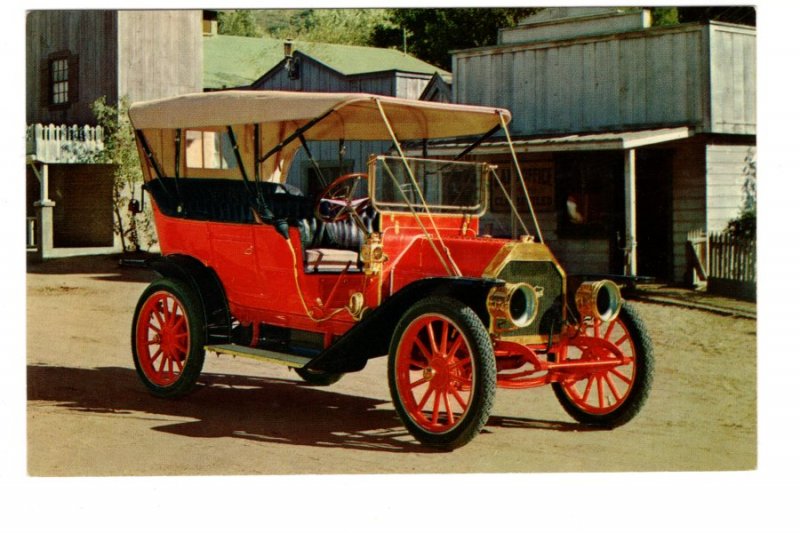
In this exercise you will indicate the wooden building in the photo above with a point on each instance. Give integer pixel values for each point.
(631, 136)
(74, 57)
(287, 65)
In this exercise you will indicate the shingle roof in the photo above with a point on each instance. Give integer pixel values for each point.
(232, 61)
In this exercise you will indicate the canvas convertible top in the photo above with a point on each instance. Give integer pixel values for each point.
(351, 115)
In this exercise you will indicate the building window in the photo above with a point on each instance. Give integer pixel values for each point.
(209, 149)
(59, 80)
(587, 185)
(59, 85)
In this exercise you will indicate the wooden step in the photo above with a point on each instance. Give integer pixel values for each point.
(236, 350)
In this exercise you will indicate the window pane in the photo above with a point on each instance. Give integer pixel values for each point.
(210, 149)
(194, 149)
(445, 186)
(59, 81)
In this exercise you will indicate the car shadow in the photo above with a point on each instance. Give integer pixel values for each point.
(252, 408)
(111, 267)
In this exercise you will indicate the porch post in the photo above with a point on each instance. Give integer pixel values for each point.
(630, 213)
(44, 217)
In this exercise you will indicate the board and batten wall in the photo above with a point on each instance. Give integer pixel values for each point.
(725, 177)
(314, 76)
(688, 200)
(692, 74)
(160, 53)
(732, 79)
(141, 54)
(91, 36)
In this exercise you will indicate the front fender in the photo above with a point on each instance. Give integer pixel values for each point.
(208, 287)
(372, 335)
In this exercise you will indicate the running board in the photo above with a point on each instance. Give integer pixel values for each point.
(236, 350)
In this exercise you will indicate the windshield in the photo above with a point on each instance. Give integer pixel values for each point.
(441, 186)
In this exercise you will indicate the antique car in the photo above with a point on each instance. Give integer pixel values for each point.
(390, 261)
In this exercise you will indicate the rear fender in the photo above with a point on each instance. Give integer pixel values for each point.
(372, 335)
(208, 287)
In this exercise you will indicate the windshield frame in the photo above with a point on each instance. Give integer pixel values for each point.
(407, 207)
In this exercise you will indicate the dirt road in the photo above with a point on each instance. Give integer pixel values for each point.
(253, 418)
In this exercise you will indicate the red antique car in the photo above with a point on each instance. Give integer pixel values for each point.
(389, 261)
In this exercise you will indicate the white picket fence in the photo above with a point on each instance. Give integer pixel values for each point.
(63, 144)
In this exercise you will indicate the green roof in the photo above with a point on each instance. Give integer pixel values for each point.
(232, 61)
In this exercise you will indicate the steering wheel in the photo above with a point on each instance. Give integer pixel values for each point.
(336, 202)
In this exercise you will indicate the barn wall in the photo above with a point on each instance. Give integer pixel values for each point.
(91, 35)
(733, 79)
(160, 53)
(688, 200)
(628, 80)
(699, 75)
(725, 165)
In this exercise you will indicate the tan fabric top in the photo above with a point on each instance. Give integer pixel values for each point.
(355, 116)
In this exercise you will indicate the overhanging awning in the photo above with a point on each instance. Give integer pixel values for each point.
(625, 140)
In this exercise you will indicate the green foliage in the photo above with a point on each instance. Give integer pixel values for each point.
(240, 22)
(344, 26)
(431, 34)
(665, 16)
(744, 226)
(337, 26)
(119, 149)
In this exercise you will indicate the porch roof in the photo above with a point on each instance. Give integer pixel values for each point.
(624, 140)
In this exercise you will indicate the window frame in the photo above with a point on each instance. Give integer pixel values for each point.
(70, 74)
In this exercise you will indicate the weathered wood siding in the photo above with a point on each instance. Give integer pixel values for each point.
(725, 171)
(314, 76)
(326, 153)
(89, 34)
(688, 200)
(160, 53)
(648, 78)
(317, 77)
(410, 85)
(733, 79)
(142, 54)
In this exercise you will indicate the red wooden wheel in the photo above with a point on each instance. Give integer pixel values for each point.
(167, 345)
(162, 338)
(610, 395)
(441, 372)
(434, 372)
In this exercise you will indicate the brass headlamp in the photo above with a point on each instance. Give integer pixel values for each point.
(512, 306)
(600, 300)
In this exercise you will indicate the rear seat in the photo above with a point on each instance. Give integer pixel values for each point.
(224, 200)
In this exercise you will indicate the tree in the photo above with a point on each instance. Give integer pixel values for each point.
(135, 228)
(240, 22)
(665, 16)
(431, 34)
(344, 26)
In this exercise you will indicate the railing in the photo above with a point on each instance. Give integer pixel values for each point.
(732, 266)
(63, 144)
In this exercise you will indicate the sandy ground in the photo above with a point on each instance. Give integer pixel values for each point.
(256, 418)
